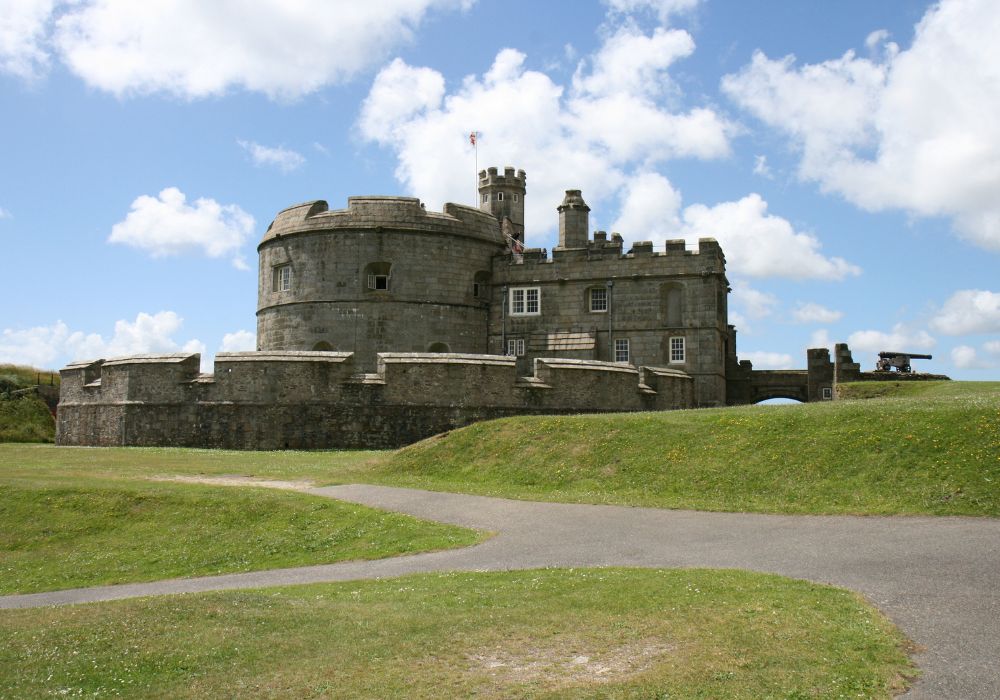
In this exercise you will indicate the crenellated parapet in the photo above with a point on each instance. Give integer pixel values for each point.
(312, 400)
(673, 258)
(383, 213)
(491, 177)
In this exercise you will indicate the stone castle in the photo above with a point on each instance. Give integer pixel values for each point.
(384, 323)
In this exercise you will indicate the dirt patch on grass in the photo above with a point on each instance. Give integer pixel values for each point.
(239, 481)
(567, 662)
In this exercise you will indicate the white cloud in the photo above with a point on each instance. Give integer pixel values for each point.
(4, 214)
(49, 346)
(815, 313)
(168, 225)
(756, 243)
(527, 120)
(633, 63)
(820, 338)
(196, 49)
(239, 341)
(900, 339)
(965, 357)
(905, 130)
(650, 208)
(760, 167)
(663, 9)
(992, 347)
(969, 311)
(752, 302)
(740, 322)
(284, 159)
(769, 360)
(760, 244)
(23, 26)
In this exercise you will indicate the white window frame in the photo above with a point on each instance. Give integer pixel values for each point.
(373, 282)
(499, 196)
(622, 350)
(826, 393)
(486, 197)
(678, 350)
(515, 347)
(594, 309)
(281, 280)
(521, 303)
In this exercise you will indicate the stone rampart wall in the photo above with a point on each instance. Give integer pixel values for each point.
(314, 400)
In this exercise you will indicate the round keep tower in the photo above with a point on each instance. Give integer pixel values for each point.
(382, 275)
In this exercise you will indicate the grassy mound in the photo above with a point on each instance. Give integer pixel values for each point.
(609, 633)
(26, 419)
(24, 416)
(933, 448)
(73, 533)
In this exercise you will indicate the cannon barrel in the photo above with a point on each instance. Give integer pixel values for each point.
(911, 355)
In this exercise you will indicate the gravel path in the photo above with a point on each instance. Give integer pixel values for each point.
(937, 578)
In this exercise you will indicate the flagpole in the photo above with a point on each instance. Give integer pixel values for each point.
(474, 137)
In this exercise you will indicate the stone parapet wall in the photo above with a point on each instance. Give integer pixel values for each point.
(885, 376)
(315, 400)
(399, 213)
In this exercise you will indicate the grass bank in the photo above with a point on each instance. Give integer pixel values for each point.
(26, 419)
(931, 448)
(24, 416)
(67, 533)
(610, 633)
(48, 461)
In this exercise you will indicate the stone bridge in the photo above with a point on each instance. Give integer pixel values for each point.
(815, 383)
(779, 384)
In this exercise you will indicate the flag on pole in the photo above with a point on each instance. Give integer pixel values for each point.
(472, 138)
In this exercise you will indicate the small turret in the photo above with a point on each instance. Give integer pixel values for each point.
(503, 197)
(574, 221)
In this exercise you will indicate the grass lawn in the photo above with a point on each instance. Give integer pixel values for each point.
(608, 633)
(67, 533)
(932, 448)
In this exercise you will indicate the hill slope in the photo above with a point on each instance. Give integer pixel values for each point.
(25, 415)
(936, 452)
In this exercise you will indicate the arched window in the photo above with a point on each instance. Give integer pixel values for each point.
(323, 346)
(672, 304)
(438, 347)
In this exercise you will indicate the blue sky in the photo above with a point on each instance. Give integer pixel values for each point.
(846, 155)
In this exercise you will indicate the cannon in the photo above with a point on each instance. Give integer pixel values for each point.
(900, 361)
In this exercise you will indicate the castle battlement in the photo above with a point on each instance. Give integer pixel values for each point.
(315, 399)
(491, 177)
(380, 213)
(674, 258)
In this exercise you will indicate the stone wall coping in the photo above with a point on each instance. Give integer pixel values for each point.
(79, 364)
(667, 372)
(160, 359)
(592, 365)
(284, 356)
(450, 358)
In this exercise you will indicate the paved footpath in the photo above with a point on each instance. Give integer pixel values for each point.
(937, 578)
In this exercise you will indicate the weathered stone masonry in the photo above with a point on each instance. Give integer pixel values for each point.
(309, 400)
(384, 323)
